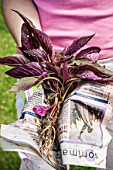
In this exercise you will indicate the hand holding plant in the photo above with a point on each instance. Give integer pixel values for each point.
(59, 73)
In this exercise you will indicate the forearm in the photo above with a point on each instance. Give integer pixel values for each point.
(12, 19)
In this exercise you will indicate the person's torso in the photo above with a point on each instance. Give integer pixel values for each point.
(67, 20)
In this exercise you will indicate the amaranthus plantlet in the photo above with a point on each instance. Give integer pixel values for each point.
(59, 73)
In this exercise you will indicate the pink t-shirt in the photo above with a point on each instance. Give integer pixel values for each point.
(67, 20)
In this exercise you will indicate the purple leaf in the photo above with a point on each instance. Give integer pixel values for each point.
(19, 50)
(87, 74)
(65, 73)
(84, 64)
(57, 60)
(86, 53)
(50, 67)
(26, 40)
(36, 55)
(76, 45)
(14, 60)
(27, 27)
(26, 70)
(42, 38)
(27, 82)
(44, 41)
(25, 19)
(41, 110)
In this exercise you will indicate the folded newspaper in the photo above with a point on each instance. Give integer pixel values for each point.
(81, 128)
(64, 121)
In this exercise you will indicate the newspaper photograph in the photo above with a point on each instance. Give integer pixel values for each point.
(83, 135)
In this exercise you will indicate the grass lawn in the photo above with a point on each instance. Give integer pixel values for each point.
(10, 160)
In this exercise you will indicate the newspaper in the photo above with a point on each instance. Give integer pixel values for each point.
(22, 135)
(81, 128)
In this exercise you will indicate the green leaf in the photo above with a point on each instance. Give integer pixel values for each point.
(23, 84)
(84, 64)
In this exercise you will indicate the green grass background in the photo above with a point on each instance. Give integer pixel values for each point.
(10, 160)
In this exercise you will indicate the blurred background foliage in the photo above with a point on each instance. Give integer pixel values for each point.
(10, 160)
